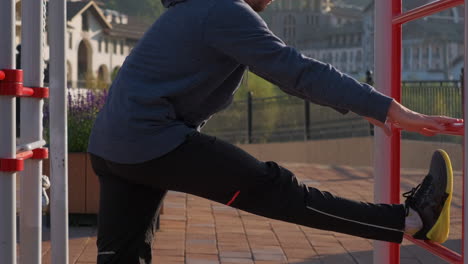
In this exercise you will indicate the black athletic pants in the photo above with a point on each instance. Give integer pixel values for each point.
(205, 166)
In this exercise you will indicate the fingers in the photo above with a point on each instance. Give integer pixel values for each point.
(412, 121)
(446, 120)
(441, 123)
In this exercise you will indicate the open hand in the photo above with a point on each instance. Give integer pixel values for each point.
(406, 119)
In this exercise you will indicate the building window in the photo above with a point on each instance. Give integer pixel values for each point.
(416, 52)
(84, 22)
(121, 47)
(358, 60)
(437, 52)
(70, 40)
(114, 43)
(106, 46)
(425, 52)
(406, 58)
(100, 45)
(289, 29)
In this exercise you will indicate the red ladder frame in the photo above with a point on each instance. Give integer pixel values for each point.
(389, 20)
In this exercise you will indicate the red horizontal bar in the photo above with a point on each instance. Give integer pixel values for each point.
(426, 10)
(27, 91)
(438, 250)
(25, 155)
(456, 129)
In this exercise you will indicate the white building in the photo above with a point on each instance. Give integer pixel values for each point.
(341, 32)
(432, 46)
(98, 42)
(327, 30)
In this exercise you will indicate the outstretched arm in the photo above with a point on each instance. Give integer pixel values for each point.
(412, 121)
(235, 30)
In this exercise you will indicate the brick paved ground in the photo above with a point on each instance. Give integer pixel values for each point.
(197, 231)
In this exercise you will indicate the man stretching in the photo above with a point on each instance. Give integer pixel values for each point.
(146, 139)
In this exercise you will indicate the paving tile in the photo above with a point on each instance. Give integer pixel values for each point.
(270, 262)
(202, 259)
(236, 254)
(168, 259)
(236, 261)
(293, 253)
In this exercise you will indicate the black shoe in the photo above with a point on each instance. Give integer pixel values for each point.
(432, 198)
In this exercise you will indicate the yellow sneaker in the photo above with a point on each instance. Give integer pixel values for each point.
(432, 199)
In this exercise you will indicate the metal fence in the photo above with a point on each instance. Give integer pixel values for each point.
(287, 118)
(433, 98)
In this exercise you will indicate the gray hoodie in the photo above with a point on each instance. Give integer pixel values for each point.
(188, 66)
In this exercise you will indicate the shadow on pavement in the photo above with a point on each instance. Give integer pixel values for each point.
(410, 254)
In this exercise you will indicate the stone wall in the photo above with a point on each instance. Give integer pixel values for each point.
(351, 151)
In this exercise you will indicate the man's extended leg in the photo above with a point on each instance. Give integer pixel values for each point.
(216, 170)
(127, 218)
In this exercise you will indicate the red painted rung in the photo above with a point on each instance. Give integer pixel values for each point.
(12, 75)
(40, 153)
(438, 250)
(38, 92)
(27, 91)
(11, 84)
(17, 164)
(25, 155)
(11, 165)
(426, 10)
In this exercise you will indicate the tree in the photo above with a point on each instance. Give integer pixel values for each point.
(258, 86)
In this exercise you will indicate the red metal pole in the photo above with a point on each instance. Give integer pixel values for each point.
(396, 94)
(395, 148)
(2, 75)
(426, 10)
(465, 141)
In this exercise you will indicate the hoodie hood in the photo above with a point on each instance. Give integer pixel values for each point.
(169, 3)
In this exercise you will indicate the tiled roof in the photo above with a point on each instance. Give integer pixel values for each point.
(135, 28)
(433, 29)
(74, 8)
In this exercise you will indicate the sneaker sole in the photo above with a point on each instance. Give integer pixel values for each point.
(440, 231)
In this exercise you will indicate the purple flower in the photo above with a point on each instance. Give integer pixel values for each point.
(83, 108)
